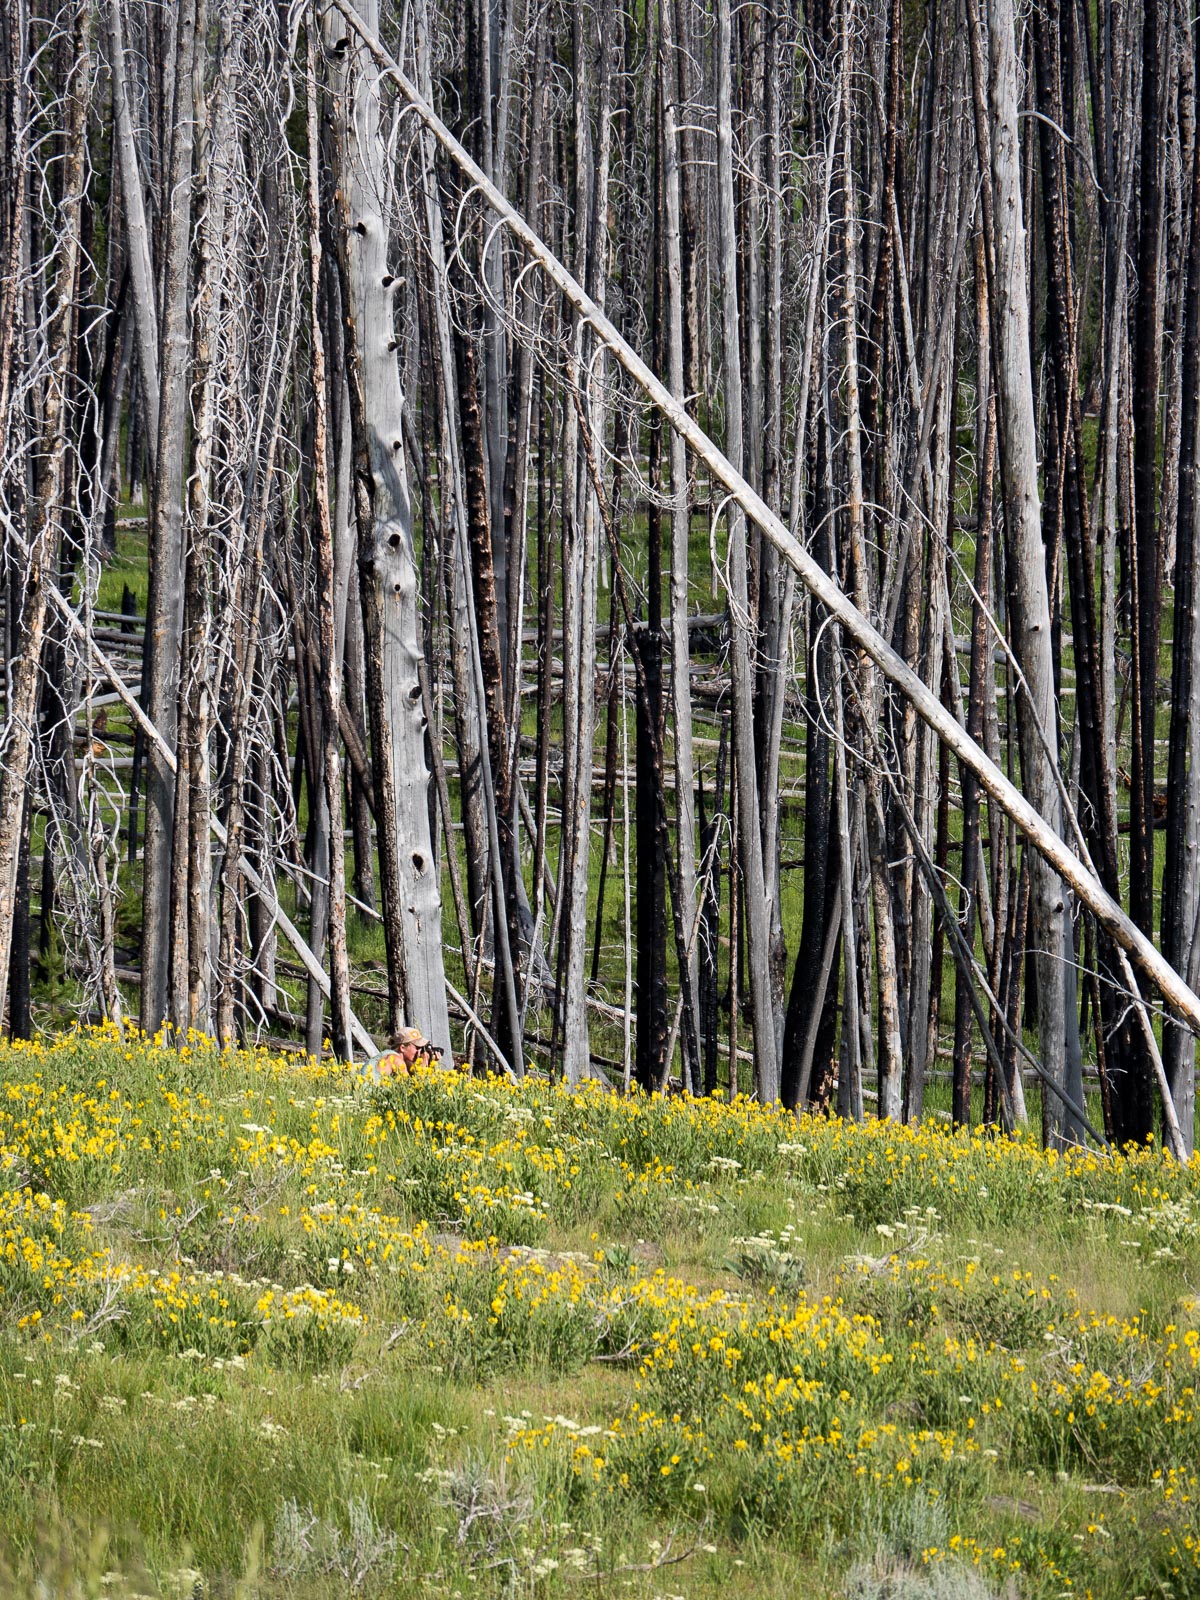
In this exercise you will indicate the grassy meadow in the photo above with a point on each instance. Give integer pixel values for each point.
(270, 1331)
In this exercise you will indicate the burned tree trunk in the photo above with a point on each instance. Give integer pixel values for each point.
(1181, 873)
(164, 607)
(330, 668)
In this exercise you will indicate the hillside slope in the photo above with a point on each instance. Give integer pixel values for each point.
(268, 1330)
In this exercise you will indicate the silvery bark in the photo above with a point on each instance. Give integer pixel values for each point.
(580, 573)
(1030, 621)
(891, 1056)
(681, 681)
(749, 840)
(137, 233)
(387, 559)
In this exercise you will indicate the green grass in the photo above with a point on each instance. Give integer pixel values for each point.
(270, 1332)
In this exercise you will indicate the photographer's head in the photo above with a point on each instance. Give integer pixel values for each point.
(411, 1044)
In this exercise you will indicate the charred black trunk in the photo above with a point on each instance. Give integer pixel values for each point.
(652, 844)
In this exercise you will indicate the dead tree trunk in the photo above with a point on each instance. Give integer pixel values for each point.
(387, 558)
(137, 233)
(164, 607)
(681, 684)
(891, 1051)
(330, 666)
(1025, 564)
(47, 506)
(749, 842)
(1181, 874)
(1147, 556)
(580, 556)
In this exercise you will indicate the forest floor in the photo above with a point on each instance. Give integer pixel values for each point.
(268, 1330)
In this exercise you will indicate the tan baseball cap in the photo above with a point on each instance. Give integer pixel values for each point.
(410, 1036)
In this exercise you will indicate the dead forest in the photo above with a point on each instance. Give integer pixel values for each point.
(655, 540)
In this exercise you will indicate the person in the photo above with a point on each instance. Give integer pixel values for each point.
(412, 1046)
(405, 1050)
